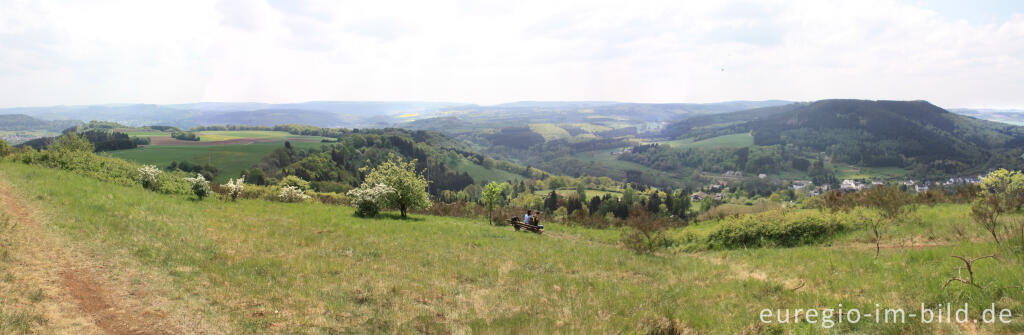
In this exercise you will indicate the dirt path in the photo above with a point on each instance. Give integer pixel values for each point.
(76, 296)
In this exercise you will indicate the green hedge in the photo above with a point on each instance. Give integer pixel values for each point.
(776, 229)
(108, 169)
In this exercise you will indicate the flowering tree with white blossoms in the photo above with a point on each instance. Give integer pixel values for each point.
(234, 187)
(292, 194)
(200, 187)
(368, 199)
(410, 187)
(148, 175)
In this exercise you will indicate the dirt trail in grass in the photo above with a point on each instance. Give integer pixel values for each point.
(77, 299)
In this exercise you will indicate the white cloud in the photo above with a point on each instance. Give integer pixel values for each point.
(278, 51)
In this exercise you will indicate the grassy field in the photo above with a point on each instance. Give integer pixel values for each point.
(231, 159)
(604, 157)
(549, 131)
(268, 267)
(846, 171)
(572, 192)
(226, 135)
(725, 141)
(482, 175)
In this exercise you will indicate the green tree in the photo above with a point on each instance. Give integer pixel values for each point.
(295, 181)
(410, 187)
(71, 142)
(1001, 192)
(493, 197)
(628, 195)
(4, 148)
(551, 202)
(581, 192)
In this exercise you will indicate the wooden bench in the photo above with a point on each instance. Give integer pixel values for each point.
(519, 225)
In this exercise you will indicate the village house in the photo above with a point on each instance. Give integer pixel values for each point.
(801, 184)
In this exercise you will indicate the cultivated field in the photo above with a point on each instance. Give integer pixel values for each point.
(231, 159)
(224, 137)
(265, 267)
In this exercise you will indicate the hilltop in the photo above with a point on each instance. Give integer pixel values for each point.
(907, 134)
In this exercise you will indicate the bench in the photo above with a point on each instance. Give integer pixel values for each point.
(519, 225)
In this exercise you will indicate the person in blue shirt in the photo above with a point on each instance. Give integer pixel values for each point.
(526, 218)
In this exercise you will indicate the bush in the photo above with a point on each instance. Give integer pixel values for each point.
(646, 235)
(149, 176)
(292, 194)
(185, 135)
(4, 148)
(294, 181)
(368, 200)
(234, 187)
(103, 168)
(200, 187)
(775, 229)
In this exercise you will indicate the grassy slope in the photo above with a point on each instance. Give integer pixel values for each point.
(725, 141)
(212, 136)
(231, 159)
(313, 268)
(482, 175)
(224, 135)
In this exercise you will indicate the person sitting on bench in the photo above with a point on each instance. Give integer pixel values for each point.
(526, 218)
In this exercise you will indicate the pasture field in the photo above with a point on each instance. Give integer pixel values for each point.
(265, 267)
(482, 175)
(604, 157)
(724, 141)
(231, 159)
(144, 133)
(590, 193)
(549, 131)
(846, 171)
(229, 135)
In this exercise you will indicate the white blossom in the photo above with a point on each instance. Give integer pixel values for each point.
(148, 176)
(372, 194)
(292, 194)
(235, 187)
(200, 187)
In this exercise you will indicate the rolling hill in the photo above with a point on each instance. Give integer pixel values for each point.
(869, 133)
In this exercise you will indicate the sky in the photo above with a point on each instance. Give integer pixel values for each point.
(952, 53)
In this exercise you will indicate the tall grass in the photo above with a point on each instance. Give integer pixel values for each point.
(308, 268)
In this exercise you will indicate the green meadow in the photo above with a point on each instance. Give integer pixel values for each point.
(725, 141)
(231, 159)
(269, 267)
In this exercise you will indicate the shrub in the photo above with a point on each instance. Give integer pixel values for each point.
(72, 142)
(200, 187)
(104, 168)
(292, 194)
(149, 176)
(775, 229)
(368, 199)
(296, 182)
(4, 148)
(185, 135)
(646, 235)
(234, 187)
